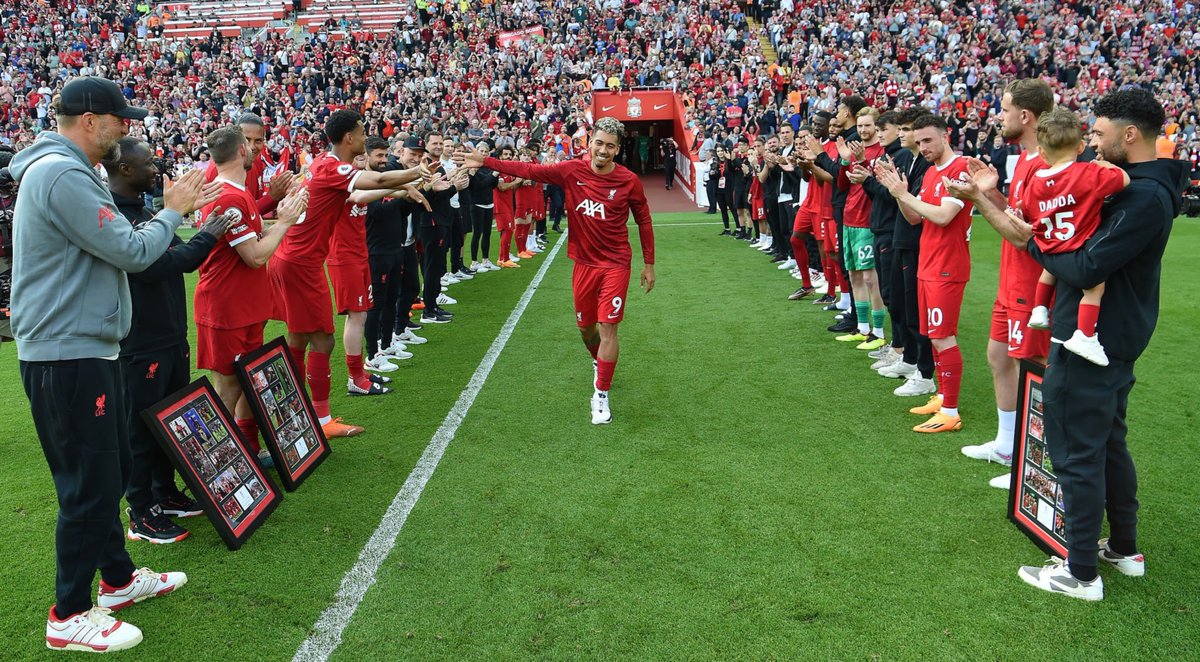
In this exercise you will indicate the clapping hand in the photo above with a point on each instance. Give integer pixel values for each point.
(281, 185)
(892, 180)
(217, 223)
(292, 207)
(858, 174)
(189, 193)
(985, 177)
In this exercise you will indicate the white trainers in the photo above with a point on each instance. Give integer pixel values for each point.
(787, 264)
(1088, 347)
(514, 258)
(380, 363)
(600, 412)
(463, 275)
(1130, 566)
(487, 265)
(446, 300)
(915, 385)
(884, 357)
(1056, 577)
(409, 338)
(396, 350)
(988, 452)
(144, 584)
(92, 631)
(1039, 318)
(898, 370)
(448, 280)
(1001, 482)
(817, 278)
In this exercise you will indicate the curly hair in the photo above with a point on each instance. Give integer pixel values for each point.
(610, 125)
(1133, 105)
(339, 123)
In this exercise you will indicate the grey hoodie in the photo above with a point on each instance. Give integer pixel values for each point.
(71, 249)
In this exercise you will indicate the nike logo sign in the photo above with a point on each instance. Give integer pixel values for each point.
(658, 107)
(607, 108)
(580, 183)
(613, 317)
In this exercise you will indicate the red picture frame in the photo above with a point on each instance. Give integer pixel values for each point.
(291, 430)
(200, 437)
(1035, 502)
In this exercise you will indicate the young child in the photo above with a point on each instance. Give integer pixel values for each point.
(1063, 204)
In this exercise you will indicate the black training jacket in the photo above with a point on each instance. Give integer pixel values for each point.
(884, 210)
(158, 294)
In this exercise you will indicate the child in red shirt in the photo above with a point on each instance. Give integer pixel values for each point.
(1063, 200)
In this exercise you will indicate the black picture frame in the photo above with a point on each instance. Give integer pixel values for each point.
(1035, 503)
(284, 412)
(199, 435)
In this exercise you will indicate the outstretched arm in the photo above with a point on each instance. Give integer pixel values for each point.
(641, 216)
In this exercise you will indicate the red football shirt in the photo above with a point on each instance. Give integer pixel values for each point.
(598, 208)
(1063, 203)
(231, 294)
(255, 186)
(858, 205)
(503, 200)
(945, 255)
(826, 199)
(1019, 272)
(329, 181)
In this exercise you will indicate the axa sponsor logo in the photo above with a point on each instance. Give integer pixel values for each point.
(592, 209)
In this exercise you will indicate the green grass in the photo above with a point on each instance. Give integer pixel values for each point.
(759, 495)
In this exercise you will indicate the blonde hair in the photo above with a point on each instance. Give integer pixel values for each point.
(1059, 130)
(868, 110)
(610, 125)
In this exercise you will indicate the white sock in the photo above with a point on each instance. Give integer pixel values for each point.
(864, 328)
(1005, 431)
(878, 333)
(844, 301)
(324, 419)
(950, 411)
(601, 394)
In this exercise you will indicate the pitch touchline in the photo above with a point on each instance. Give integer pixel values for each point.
(326, 634)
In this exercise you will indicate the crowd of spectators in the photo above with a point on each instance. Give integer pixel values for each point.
(442, 66)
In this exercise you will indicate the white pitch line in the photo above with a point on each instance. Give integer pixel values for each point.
(681, 225)
(326, 634)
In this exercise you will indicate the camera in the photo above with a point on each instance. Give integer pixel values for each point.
(1191, 201)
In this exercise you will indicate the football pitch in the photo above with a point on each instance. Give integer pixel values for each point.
(759, 495)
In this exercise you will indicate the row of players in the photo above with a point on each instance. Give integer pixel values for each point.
(887, 206)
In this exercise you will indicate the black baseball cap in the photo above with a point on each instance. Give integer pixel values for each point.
(414, 143)
(93, 94)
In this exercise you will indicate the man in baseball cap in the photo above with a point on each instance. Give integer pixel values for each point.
(96, 95)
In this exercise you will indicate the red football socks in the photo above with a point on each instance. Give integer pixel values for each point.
(800, 252)
(249, 430)
(318, 382)
(1088, 315)
(950, 369)
(1042, 294)
(604, 374)
(354, 365)
(506, 237)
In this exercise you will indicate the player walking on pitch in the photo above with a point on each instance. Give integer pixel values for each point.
(599, 197)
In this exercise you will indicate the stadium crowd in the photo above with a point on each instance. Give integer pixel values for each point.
(448, 72)
(846, 159)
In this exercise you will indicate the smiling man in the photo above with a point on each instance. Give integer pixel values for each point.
(599, 198)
